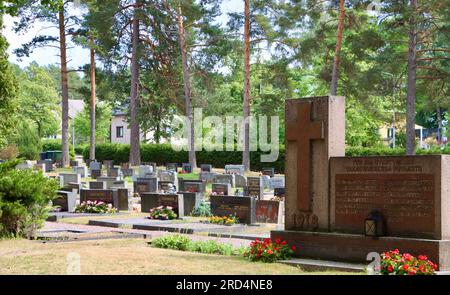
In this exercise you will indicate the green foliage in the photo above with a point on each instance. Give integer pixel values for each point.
(8, 92)
(24, 200)
(183, 243)
(203, 210)
(82, 124)
(175, 242)
(28, 141)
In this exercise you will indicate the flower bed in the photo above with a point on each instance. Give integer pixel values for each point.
(162, 213)
(224, 220)
(269, 251)
(95, 207)
(396, 263)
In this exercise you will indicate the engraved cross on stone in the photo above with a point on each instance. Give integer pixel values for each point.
(303, 132)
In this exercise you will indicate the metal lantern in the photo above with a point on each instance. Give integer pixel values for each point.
(374, 224)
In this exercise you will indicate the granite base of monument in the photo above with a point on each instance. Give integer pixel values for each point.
(153, 200)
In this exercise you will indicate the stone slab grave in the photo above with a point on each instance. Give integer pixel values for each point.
(206, 168)
(207, 176)
(48, 165)
(276, 182)
(243, 207)
(97, 185)
(191, 185)
(191, 201)
(94, 165)
(96, 173)
(145, 185)
(75, 186)
(330, 196)
(118, 184)
(153, 200)
(221, 189)
(82, 170)
(25, 165)
(144, 170)
(224, 178)
(172, 167)
(108, 164)
(107, 196)
(65, 178)
(279, 192)
(127, 172)
(166, 175)
(113, 172)
(165, 186)
(268, 171)
(254, 187)
(186, 168)
(240, 181)
(234, 169)
(269, 211)
(109, 181)
(123, 199)
(65, 200)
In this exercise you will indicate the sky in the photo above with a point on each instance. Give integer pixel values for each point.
(78, 56)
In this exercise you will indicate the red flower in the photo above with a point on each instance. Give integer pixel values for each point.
(294, 248)
(269, 252)
(422, 257)
(278, 241)
(283, 243)
(390, 269)
(405, 267)
(395, 252)
(412, 271)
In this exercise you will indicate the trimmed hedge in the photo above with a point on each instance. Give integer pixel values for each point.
(163, 153)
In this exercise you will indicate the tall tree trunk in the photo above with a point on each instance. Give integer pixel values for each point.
(135, 152)
(64, 90)
(93, 104)
(187, 88)
(439, 122)
(337, 58)
(246, 152)
(411, 92)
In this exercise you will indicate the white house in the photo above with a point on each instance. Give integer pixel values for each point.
(120, 130)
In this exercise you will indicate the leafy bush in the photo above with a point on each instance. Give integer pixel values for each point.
(55, 145)
(163, 213)
(28, 142)
(224, 220)
(95, 207)
(268, 251)
(203, 210)
(175, 242)
(10, 152)
(395, 263)
(183, 243)
(25, 198)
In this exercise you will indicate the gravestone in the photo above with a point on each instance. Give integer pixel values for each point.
(268, 171)
(65, 200)
(106, 196)
(242, 207)
(165, 175)
(65, 178)
(269, 211)
(276, 182)
(207, 176)
(172, 167)
(125, 166)
(234, 169)
(206, 168)
(74, 186)
(118, 184)
(187, 168)
(144, 170)
(96, 173)
(200, 185)
(224, 178)
(153, 200)
(240, 181)
(113, 172)
(109, 181)
(48, 165)
(145, 185)
(94, 165)
(27, 165)
(128, 172)
(123, 198)
(153, 164)
(166, 186)
(82, 170)
(108, 164)
(254, 187)
(97, 185)
(331, 199)
(279, 192)
(193, 187)
(74, 163)
(221, 189)
(265, 181)
(191, 201)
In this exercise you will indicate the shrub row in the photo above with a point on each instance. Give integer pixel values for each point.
(163, 153)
